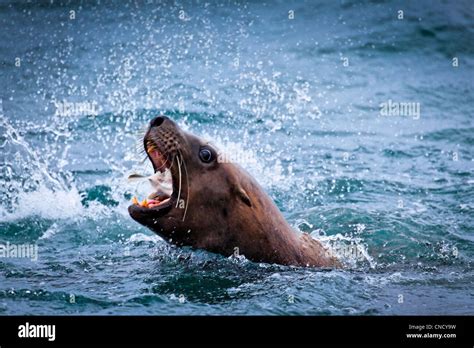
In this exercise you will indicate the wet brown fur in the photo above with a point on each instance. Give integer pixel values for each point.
(226, 207)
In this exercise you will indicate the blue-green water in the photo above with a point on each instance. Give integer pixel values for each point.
(302, 96)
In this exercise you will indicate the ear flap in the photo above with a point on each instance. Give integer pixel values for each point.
(244, 197)
(238, 190)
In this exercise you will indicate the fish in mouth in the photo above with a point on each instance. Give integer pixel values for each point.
(161, 181)
(202, 202)
(162, 149)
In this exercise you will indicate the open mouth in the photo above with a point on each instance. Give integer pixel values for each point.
(161, 181)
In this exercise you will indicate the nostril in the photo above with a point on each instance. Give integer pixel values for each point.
(157, 121)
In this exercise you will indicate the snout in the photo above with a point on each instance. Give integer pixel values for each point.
(160, 121)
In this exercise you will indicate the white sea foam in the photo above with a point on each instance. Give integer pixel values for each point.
(350, 250)
(46, 203)
(141, 237)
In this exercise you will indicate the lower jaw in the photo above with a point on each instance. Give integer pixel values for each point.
(144, 215)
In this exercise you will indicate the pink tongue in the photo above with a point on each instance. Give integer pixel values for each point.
(152, 201)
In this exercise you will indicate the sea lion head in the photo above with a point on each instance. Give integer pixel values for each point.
(204, 190)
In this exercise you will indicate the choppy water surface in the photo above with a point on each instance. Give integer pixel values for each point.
(399, 189)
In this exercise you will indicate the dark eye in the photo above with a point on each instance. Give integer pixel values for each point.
(205, 155)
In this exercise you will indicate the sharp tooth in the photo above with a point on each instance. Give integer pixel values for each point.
(144, 203)
(150, 148)
(135, 200)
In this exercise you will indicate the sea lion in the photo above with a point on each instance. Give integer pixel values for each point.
(217, 206)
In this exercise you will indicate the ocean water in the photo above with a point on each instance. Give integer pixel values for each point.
(298, 87)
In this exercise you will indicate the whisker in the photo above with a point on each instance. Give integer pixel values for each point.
(187, 183)
(179, 169)
(140, 135)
